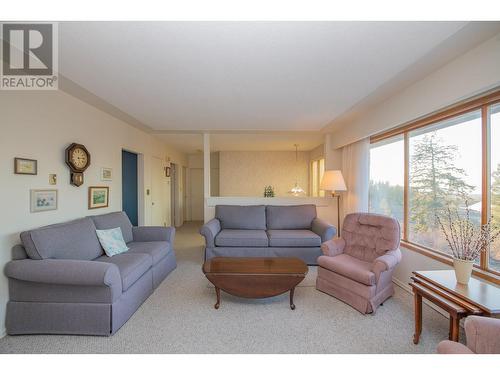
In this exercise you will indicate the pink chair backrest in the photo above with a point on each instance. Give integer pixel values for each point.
(369, 236)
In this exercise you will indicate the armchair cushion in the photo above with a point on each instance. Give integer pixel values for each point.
(323, 229)
(333, 247)
(349, 267)
(147, 234)
(452, 347)
(293, 238)
(483, 334)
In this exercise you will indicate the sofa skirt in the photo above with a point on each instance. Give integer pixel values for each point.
(308, 254)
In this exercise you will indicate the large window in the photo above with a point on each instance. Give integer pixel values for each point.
(450, 159)
(444, 171)
(494, 261)
(387, 177)
(317, 171)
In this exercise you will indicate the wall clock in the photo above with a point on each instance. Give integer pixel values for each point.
(78, 160)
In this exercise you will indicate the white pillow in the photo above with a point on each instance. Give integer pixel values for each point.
(112, 241)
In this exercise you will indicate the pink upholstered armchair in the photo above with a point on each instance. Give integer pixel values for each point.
(357, 268)
(483, 337)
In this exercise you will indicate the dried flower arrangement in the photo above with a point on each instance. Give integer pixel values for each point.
(466, 240)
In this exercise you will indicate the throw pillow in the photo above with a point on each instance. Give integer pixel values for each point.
(112, 241)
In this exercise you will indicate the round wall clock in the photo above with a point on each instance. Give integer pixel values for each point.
(78, 160)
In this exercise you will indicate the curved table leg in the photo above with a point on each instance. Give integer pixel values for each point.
(217, 290)
(292, 306)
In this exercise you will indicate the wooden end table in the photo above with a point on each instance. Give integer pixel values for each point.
(441, 288)
(255, 277)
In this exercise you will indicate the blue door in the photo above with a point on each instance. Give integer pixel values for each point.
(129, 186)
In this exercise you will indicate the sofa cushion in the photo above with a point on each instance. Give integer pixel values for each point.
(156, 249)
(349, 267)
(242, 238)
(290, 217)
(75, 239)
(115, 220)
(293, 238)
(241, 217)
(131, 266)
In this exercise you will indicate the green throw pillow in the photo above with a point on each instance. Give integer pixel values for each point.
(112, 241)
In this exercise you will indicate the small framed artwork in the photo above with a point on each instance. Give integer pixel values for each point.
(25, 166)
(167, 171)
(106, 174)
(98, 197)
(43, 200)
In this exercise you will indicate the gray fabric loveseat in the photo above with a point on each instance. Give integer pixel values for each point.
(61, 282)
(266, 231)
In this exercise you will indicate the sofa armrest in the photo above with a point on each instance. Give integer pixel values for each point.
(210, 231)
(483, 334)
(146, 234)
(65, 272)
(333, 247)
(452, 347)
(323, 229)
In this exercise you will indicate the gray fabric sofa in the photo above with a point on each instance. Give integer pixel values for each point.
(266, 231)
(61, 282)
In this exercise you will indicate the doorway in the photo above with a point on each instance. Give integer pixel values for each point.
(130, 186)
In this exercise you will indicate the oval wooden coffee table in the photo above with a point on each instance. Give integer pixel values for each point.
(255, 277)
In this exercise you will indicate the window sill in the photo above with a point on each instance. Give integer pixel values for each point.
(440, 257)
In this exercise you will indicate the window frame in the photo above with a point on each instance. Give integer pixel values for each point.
(317, 193)
(482, 102)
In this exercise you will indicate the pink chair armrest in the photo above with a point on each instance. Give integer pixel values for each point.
(452, 347)
(387, 261)
(333, 247)
(483, 334)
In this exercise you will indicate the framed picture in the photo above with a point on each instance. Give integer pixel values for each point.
(167, 171)
(106, 174)
(43, 200)
(98, 197)
(25, 166)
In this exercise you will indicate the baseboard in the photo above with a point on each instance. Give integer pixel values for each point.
(407, 288)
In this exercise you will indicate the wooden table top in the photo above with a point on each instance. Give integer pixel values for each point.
(255, 266)
(478, 292)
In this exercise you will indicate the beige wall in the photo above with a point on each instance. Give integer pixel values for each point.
(40, 125)
(246, 173)
(470, 74)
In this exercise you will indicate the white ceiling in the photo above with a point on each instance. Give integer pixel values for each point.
(251, 77)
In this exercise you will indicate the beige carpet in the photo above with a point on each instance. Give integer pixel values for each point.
(179, 318)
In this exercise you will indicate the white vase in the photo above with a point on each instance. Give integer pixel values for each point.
(463, 270)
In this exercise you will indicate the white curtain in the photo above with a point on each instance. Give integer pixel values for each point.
(356, 172)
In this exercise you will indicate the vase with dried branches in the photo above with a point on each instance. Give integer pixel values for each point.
(466, 240)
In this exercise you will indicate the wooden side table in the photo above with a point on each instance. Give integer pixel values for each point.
(458, 300)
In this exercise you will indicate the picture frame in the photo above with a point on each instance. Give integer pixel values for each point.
(43, 200)
(98, 197)
(106, 174)
(25, 166)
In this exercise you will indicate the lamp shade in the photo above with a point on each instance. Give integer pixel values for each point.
(333, 180)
